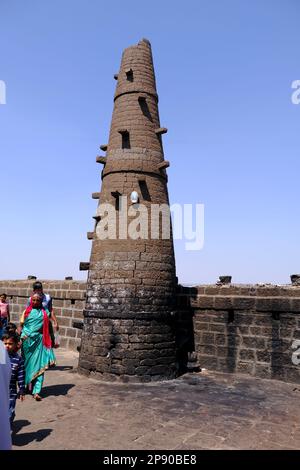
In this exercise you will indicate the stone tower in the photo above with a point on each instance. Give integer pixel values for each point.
(128, 330)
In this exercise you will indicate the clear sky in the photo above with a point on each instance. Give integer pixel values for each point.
(224, 70)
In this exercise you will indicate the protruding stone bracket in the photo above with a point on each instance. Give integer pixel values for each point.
(163, 165)
(161, 130)
(101, 160)
(123, 130)
(90, 235)
(97, 218)
(116, 76)
(84, 266)
(103, 147)
(95, 195)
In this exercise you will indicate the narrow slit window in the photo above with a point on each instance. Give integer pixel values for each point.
(129, 75)
(230, 318)
(144, 190)
(145, 108)
(117, 196)
(275, 315)
(125, 140)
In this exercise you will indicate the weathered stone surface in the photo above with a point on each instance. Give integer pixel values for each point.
(132, 279)
(231, 338)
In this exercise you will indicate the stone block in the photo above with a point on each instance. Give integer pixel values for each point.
(292, 374)
(208, 362)
(207, 338)
(203, 302)
(223, 303)
(245, 367)
(273, 304)
(71, 333)
(295, 305)
(157, 369)
(246, 355)
(142, 370)
(64, 321)
(262, 371)
(202, 326)
(263, 356)
(243, 303)
(74, 343)
(221, 339)
(208, 350)
(64, 342)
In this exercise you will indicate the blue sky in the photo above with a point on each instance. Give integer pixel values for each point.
(224, 71)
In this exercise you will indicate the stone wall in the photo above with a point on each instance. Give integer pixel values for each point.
(245, 329)
(230, 328)
(68, 303)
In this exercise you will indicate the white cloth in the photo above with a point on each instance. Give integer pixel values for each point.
(5, 372)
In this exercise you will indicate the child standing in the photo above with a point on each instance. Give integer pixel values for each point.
(4, 313)
(11, 343)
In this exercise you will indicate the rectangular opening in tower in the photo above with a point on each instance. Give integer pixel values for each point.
(230, 318)
(129, 75)
(125, 140)
(144, 190)
(145, 108)
(116, 195)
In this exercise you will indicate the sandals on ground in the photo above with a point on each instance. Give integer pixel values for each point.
(37, 397)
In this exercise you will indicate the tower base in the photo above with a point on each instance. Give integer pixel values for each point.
(137, 349)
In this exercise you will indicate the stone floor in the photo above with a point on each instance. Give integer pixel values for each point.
(197, 411)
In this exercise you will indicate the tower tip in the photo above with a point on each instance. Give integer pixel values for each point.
(146, 41)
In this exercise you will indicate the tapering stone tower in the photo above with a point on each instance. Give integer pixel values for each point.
(128, 330)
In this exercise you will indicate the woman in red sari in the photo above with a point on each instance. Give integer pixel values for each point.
(36, 344)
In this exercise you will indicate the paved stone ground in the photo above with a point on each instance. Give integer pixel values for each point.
(201, 410)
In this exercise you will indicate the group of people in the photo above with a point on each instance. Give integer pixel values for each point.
(29, 345)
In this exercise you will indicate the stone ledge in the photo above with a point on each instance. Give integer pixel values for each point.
(262, 304)
(119, 315)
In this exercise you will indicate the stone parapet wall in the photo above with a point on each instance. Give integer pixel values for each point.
(68, 304)
(245, 329)
(231, 328)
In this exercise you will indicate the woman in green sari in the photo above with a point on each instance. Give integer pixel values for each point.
(36, 344)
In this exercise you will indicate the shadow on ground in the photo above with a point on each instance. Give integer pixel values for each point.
(56, 390)
(61, 368)
(19, 424)
(26, 438)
